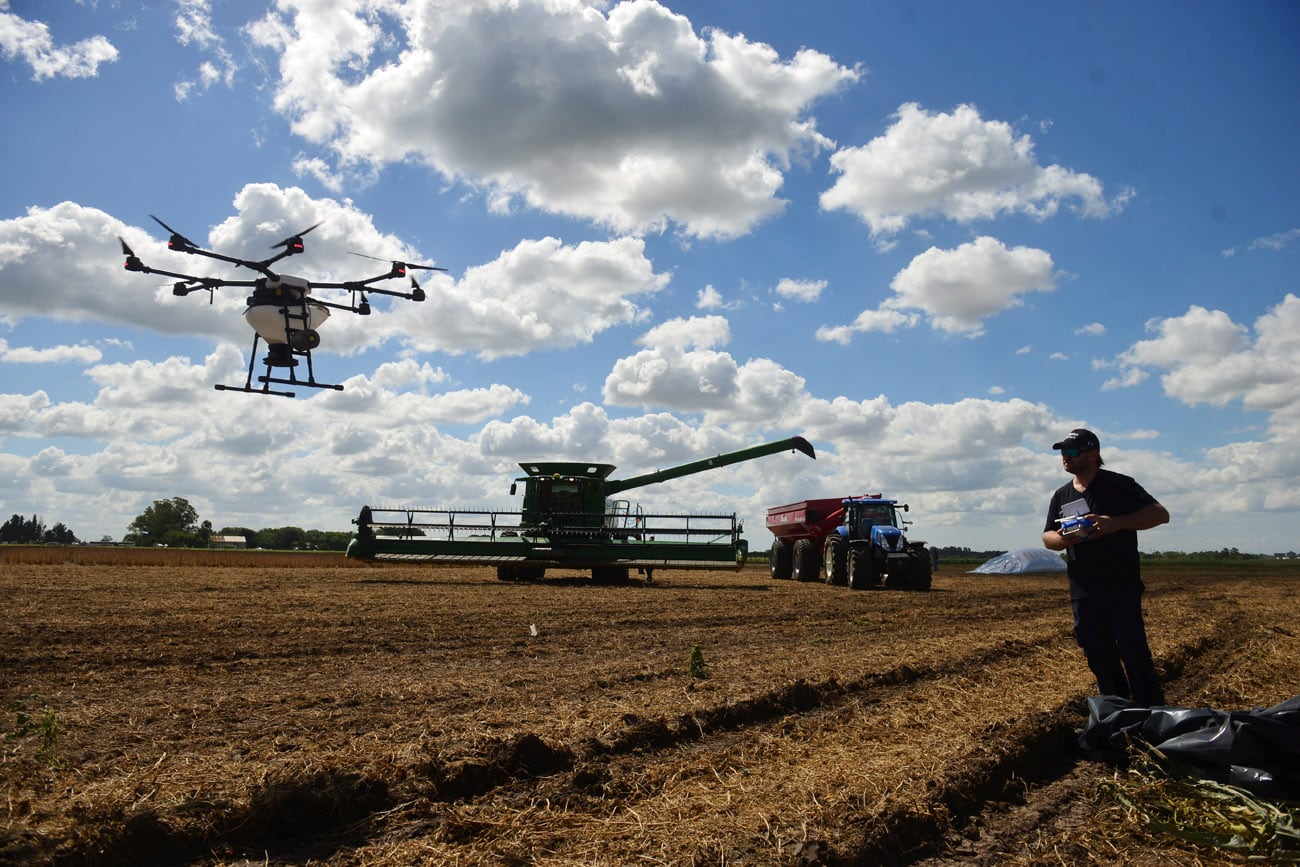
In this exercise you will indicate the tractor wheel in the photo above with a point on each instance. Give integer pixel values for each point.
(807, 561)
(780, 561)
(922, 571)
(899, 576)
(836, 558)
(862, 571)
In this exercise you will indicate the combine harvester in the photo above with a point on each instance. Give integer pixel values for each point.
(568, 521)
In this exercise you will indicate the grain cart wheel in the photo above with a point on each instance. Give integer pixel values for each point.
(779, 560)
(836, 559)
(807, 562)
(862, 571)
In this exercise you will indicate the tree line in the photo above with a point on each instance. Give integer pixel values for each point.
(175, 523)
(31, 530)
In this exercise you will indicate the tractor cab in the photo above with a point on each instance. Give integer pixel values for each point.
(876, 519)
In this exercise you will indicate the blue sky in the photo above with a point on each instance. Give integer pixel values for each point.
(930, 237)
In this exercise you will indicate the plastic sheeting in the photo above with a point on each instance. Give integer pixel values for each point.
(1257, 750)
(1021, 562)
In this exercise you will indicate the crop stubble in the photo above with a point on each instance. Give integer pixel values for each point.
(318, 709)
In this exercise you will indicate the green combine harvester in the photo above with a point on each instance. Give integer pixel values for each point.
(571, 519)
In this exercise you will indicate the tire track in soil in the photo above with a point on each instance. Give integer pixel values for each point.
(301, 815)
(1031, 749)
(1042, 787)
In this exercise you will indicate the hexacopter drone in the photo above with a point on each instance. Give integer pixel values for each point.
(281, 310)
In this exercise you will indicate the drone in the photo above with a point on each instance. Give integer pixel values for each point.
(281, 309)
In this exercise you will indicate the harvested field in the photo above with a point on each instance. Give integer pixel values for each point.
(286, 711)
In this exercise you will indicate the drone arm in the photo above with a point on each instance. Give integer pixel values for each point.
(416, 293)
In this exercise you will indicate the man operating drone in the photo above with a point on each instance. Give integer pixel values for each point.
(281, 309)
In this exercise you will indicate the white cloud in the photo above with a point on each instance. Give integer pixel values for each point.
(49, 355)
(1208, 358)
(1276, 242)
(32, 43)
(194, 27)
(627, 118)
(1092, 329)
(957, 166)
(540, 294)
(956, 289)
(800, 290)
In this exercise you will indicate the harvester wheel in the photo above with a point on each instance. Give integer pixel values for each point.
(807, 560)
(609, 574)
(506, 573)
(780, 561)
(862, 571)
(836, 558)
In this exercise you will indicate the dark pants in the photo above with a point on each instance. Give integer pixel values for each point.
(1110, 631)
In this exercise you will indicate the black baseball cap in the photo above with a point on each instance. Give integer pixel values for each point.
(1079, 438)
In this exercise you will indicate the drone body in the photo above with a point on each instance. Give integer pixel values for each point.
(281, 309)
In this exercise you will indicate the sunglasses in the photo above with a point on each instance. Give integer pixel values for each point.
(1073, 453)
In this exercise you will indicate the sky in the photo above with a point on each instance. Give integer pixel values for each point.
(932, 238)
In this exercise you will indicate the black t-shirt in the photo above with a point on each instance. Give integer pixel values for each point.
(1108, 562)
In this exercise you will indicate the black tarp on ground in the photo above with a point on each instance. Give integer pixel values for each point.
(1258, 750)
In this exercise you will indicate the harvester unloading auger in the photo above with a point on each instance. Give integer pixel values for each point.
(568, 521)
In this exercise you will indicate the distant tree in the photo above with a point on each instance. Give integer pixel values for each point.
(59, 534)
(328, 540)
(282, 538)
(20, 529)
(173, 522)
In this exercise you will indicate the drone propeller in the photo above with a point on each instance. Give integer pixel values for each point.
(293, 243)
(177, 241)
(399, 268)
(133, 262)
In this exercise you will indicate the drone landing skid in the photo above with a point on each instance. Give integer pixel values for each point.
(278, 355)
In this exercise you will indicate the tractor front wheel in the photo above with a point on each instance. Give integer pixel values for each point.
(836, 557)
(862, 570)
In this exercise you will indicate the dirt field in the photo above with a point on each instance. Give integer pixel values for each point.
(313, 709)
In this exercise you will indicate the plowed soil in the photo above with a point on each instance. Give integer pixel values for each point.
(338, 713)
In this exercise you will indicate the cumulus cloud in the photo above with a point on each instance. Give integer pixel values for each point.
(627, 117)
(32, 43)
(958, 166)
(955, 289)
(800, 290)
(81, 354)
(541, 294)
(1208, 358)
(681, 370)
